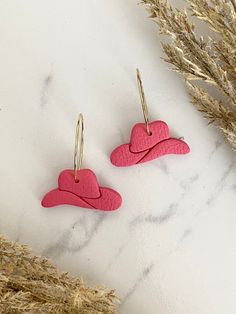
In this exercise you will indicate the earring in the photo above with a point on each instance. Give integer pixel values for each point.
(79, 187)
(148, 140)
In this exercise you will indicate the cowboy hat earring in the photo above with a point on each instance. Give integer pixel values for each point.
(79, 187)
(148, 141)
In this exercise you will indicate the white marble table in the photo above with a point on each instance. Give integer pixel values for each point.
(171, 248)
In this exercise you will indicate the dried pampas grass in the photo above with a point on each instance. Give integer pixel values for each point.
(212, 61)
(29, 284)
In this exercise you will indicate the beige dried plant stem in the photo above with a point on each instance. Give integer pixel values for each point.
(29, 284)
(212, 61)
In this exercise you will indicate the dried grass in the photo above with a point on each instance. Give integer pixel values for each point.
(202, 58)
(30, 284)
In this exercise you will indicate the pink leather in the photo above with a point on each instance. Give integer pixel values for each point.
(87, 186)
(144, 147)
(140, 138)
(123, 157)
(57, 197)
(84, 193)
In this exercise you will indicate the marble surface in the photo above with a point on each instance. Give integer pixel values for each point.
(170, 249)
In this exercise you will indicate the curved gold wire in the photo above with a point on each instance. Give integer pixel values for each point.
(79, 143)
(143, 101)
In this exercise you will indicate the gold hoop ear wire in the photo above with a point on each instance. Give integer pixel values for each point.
(79, 145)
(143, 101)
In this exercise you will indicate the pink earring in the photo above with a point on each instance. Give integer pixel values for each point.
(79, 187)
(148, 140)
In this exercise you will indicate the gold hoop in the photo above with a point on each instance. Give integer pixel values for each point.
(79, 143)
(143, 101)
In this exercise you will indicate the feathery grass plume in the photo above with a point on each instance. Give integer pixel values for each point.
(30, 284)
(212, 61)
